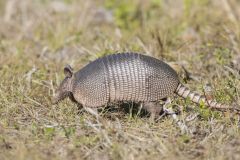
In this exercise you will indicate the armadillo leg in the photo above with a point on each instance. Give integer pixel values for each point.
(154, 108)
(71, 97)
(169, 111)
(80, 106)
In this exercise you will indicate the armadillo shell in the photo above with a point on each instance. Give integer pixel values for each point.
(124, 77)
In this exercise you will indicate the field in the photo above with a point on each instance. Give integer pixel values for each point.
(200, 39)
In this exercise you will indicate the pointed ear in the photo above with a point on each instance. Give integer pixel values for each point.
(68, 71)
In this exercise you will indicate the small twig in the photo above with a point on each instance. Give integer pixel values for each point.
(140, 109)
(34, 101)
(191, 117)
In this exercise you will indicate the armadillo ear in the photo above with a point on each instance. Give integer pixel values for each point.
(68, 71)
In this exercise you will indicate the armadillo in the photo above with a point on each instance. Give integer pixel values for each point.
(126, 77)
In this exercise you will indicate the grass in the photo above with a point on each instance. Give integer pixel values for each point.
(37, 39)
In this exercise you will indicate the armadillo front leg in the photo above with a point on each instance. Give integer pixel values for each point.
(154, 108)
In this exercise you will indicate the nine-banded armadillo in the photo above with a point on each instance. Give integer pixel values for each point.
(126, 77)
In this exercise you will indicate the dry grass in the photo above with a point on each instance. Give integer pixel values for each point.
(37, 38)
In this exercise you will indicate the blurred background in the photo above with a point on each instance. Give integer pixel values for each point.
(199, 38)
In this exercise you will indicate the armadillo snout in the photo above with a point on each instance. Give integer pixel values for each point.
(59, 96)
(55, 99)
(63, 90)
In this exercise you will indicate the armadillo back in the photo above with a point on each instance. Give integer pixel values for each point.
(136, 77)
(125, 77)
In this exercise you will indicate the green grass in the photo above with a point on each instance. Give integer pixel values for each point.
(38, 38)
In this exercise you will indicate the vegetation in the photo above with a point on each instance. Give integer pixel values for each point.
(199, 38)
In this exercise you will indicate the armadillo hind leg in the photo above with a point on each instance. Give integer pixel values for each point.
(154, 108)
(169, 111)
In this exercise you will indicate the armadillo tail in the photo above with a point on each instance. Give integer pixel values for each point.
(195, 97)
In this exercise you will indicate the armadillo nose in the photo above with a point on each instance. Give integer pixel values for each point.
(54, 100)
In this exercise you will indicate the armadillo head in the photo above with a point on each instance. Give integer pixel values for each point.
(65, 88)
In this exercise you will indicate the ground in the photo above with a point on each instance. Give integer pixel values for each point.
(198, 38)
